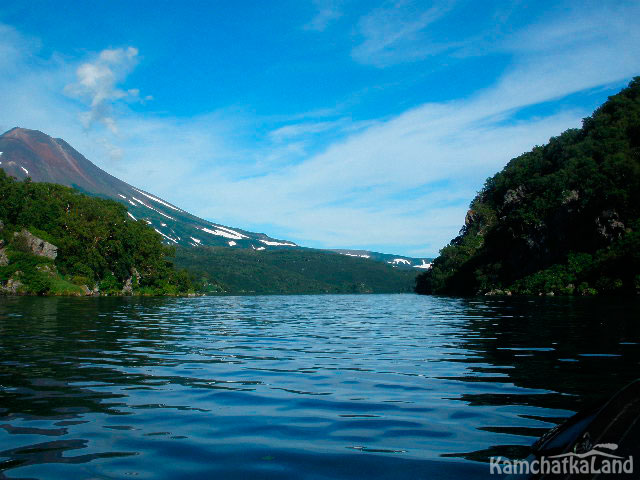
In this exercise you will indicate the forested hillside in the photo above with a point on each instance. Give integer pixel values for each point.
(563, 218)
(300, 270)
(55, 240)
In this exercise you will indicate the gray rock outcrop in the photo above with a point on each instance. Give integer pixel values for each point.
(514, 196)
(127, 289)
(13, 285)
(36, 245)
(609, 226)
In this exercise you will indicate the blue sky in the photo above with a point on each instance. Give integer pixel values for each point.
(331, 123)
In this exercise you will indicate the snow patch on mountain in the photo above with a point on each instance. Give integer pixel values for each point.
(166, 236)
(276, 244)
(122, 196)
(162, 202)
(355, 255)
(231, 243)
(221, 233)
(25, 170)
(197, 240)
(231, 231)
(398, 261)
(134, 218)
(150, 207)
(424, 265)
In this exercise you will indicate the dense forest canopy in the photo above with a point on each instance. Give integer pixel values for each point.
(563, 218)
(98, 245)
(292, 271)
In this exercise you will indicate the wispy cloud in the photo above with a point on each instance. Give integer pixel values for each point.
(297, 130)
(13, 48)
(579, 26)
(327, 12)
(396, 33)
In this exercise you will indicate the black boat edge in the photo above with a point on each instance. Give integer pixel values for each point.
(608, 430)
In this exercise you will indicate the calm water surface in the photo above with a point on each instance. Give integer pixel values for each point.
(378, 386)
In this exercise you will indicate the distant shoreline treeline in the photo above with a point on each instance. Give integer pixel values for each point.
(291, 271)
(562, 219)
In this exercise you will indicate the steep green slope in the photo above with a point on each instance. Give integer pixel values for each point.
(226, 270)
(561, 219)
(99, 248)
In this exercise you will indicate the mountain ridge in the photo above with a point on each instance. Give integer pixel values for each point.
(32, 153)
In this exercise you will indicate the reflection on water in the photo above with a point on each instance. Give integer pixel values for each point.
(384, 386)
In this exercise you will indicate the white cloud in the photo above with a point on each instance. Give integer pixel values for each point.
(97, 84)
(353, 193)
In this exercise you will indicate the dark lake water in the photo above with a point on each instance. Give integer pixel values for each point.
(369, 386)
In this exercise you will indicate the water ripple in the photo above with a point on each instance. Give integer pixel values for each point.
(384, 386)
